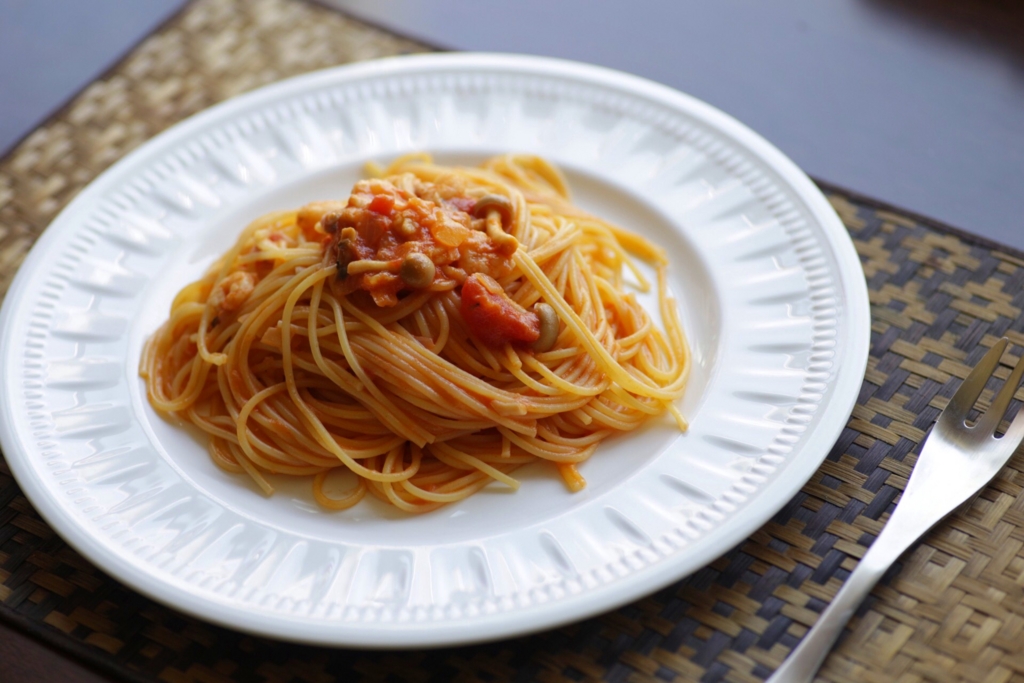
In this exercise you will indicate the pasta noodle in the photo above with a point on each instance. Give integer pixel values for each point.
(439, 329)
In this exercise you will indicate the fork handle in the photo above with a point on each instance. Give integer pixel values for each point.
(895, 538)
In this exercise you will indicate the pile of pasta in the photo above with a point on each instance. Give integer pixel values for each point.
(431, 333)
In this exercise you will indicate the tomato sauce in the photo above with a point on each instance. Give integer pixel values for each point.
(383, 223)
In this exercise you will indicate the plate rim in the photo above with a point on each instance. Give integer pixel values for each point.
(790, 478)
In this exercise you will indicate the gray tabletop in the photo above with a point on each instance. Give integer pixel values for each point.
(917, 103)
(51, 49)
(920, 104)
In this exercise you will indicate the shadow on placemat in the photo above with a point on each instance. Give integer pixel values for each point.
(939, 299)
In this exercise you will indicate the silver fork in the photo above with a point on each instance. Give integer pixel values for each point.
(955, 462)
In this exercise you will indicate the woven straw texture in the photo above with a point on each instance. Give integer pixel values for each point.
(954, 610)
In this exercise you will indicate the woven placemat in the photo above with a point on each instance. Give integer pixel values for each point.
(954, 611)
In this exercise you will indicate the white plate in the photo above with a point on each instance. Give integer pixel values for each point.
(774, 303)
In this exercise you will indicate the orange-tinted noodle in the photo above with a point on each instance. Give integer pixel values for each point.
(316, 342)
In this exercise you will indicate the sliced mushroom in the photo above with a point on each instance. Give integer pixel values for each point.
(344, 254)
(369, 266)
(330, 222)
(549, 326)
(406, 228)
(494, 202)
(417, 270)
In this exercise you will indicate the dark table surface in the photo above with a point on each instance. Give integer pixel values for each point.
(920, 104)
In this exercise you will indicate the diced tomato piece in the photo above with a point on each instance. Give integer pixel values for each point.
(382, 204)
(493, 317)
(462, 203)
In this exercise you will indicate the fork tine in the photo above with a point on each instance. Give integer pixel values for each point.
(963, 400)
(1015, 432)
(990, 420)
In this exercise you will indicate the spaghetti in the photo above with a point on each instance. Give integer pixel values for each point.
(439, 329)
